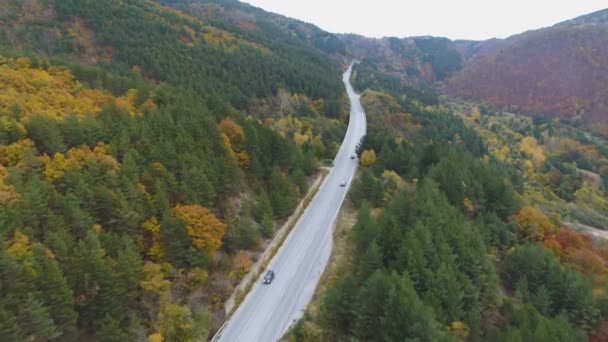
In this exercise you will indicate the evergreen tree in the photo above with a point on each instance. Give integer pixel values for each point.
(110, 330)
(37, 323)
(370, 261)
(9, 329)
(370, 307)
(56, 294)
(175, 239)
(337, 307)
(281, 192)
(364, 228)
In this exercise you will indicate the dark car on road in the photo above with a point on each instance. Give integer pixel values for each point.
(268, 277)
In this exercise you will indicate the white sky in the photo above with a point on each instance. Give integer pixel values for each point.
(455, 19)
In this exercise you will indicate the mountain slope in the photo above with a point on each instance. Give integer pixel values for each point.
(558, 71)
(168, 45)
(134, 196)
(261, 26)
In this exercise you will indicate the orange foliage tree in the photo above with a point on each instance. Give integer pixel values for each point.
(581, 251)
(205, 229)
(532, 224)
(241, 263)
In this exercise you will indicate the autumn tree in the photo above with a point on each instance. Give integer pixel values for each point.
(368, 157)
(204, 228)
(241, 263)
(532, 224)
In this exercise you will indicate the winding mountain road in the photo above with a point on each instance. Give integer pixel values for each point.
(268, 311)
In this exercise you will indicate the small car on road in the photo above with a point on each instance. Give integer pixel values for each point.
(353, 156)
(268, 277)
(343, 184)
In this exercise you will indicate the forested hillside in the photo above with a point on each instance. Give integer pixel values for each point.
(169, 45)
(262, 26)
(146, 156)
(552, 72)
(114, 207)
(458, 233)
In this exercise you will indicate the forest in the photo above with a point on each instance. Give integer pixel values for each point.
(458, 233)
(171, 46)
(136, 191)
(132, 215)
(147, 156)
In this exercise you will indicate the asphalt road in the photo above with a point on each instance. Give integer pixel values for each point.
(268, 311)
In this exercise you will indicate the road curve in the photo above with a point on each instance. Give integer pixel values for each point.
(268, 311)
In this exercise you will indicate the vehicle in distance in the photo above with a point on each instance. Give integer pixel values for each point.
(343, 183)
(268, 277)
(353, 156)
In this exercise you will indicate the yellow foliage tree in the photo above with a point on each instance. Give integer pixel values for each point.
(11, 155)
(205, 229)
(154, 281)
(529, 168)
(173, 319)
(368, 157)
(460, 329)
(502, 154)
(155, 249)
(233, 137)
(532, 224)
(475, 114)
(52, 92)
(392, 182)
(8, 193)
(530, 146)
(300, 139)
(55, 168)
(156, 337)
(20, 245)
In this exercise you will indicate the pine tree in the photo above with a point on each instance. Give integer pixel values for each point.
(370, 306)
(110, 330)
(281, 192)
(337, 308)
(37, 323)
(175, 239)
(89, 273)
(56, 294)
(9, 329)
(365, 228)
(370, 261)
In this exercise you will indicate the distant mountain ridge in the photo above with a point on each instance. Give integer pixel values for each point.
(558, 71)
(598, 17)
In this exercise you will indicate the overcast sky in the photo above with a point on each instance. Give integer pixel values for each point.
(455, 19)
